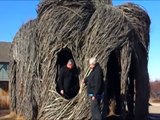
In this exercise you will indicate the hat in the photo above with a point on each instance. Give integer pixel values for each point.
(70, 61)
(92, 60)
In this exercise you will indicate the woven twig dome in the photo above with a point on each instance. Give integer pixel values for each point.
(85, 30)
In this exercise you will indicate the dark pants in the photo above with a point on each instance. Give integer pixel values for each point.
(69, 93)
(95, 109)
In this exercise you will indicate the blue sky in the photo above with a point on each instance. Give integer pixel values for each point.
(14, 13)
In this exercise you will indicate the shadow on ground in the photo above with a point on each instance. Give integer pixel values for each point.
(154, 116)
(150, 117)
(114, 118)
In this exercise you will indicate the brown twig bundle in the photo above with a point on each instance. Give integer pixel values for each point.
(139, 19)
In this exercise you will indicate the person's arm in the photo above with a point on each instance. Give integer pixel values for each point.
(98, 81)
(61, 81)
(85, 80)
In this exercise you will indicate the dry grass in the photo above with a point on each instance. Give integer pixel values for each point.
(11, 116)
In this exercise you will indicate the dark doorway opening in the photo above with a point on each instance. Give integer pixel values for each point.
(62, 58)
(112, 98)
(113, 78)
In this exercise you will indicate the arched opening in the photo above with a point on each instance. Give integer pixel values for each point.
(72, 79)
(113, 78)
(112, 98)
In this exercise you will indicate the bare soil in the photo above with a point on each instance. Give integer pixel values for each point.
(154, 110)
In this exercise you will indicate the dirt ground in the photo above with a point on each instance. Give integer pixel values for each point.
(154, 110)
(154, 107)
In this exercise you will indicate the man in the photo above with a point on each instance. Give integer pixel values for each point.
(68, 80)
(94, 83)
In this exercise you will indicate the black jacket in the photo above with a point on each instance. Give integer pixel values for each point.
(95, 81)
(68, 80)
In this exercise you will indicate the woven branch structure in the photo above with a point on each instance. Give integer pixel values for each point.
(83, 29)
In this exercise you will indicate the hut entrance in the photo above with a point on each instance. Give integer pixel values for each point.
(66, 79)
(112, 98)
(112, 90)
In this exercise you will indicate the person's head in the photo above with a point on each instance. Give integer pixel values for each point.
(70, 63)
(92, 62)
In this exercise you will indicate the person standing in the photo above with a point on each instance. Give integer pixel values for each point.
(94, 82)
(68, 80)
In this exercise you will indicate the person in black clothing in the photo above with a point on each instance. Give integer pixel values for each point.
(94, 82)
(68, 80)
